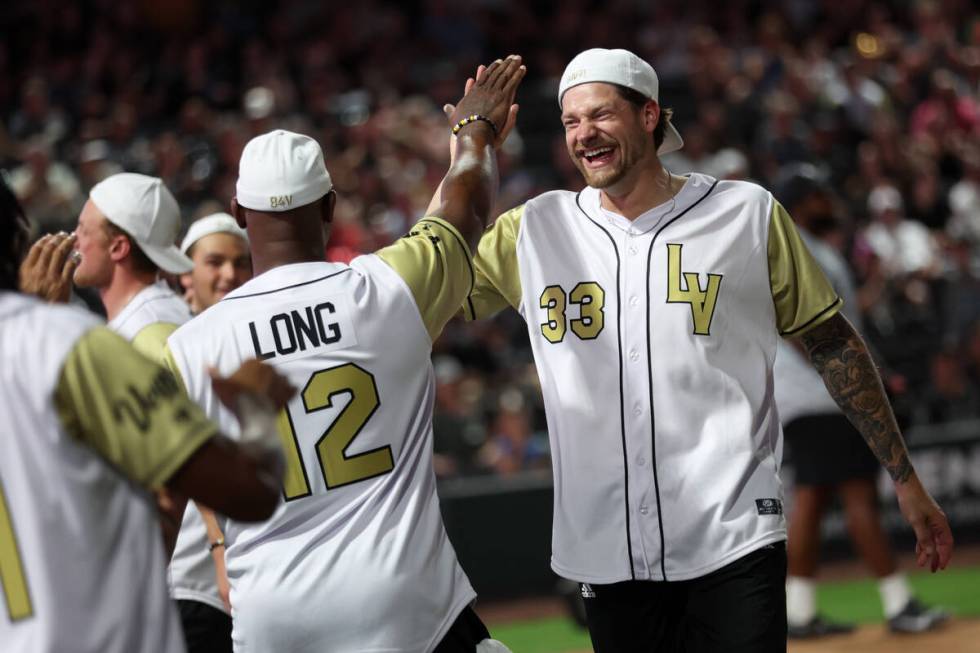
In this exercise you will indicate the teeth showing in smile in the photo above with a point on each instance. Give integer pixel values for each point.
(591, 154)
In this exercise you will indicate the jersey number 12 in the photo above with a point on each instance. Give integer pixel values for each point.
(337, 466)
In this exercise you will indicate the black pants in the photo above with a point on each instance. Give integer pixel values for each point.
(206, 629)
(465, 633)
(738, 608)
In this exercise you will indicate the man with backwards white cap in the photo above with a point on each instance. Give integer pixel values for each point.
(356, 558)
(218, 248)
(125, 236)
(653, 303)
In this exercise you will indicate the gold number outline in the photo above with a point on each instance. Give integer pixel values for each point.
(326, 403)
(13, 579)
(593, 310)
(296, 483)
(555, 305)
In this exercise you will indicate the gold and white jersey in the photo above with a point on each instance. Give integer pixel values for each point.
(356, 557)
(654, 341)
(147, 321)
(150, 317)
(89, 426)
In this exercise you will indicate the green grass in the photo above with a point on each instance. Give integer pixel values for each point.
(957, 590)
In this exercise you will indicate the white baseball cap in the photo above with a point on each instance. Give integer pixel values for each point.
(144, 208)
(624, 68)
(216, 223)
(281, 171)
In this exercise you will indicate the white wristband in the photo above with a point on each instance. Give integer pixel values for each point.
(258, 421)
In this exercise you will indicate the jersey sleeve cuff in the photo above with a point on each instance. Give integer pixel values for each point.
(816, 320)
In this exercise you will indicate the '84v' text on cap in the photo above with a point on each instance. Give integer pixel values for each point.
(280, 171)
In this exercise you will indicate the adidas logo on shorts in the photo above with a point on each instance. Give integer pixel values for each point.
(587, 591)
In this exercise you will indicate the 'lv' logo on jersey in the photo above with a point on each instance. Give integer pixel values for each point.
(702, 301)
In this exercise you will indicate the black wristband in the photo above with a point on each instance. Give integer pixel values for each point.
(468, 119)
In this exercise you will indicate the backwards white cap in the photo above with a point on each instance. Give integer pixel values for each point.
(624, 68)
(216, 223)
(144, 208)
(281, 171)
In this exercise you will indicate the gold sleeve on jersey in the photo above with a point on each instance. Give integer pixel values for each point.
(498, 279)
(128, 408)
(436, 264)
(152, 339)
(800, 291)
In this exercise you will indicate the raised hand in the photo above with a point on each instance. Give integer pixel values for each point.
(450, 109)
(491, 95)
(48, 269)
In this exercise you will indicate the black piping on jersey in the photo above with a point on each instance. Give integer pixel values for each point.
(653, 431)
(469, 259)
(813, 319)
(622, 400)
(295, 285)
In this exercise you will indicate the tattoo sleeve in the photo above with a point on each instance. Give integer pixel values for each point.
(840, 356)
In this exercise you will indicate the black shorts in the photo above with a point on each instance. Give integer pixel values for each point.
(740, 608)
(828, 450)
(206, 629)
(464, 635)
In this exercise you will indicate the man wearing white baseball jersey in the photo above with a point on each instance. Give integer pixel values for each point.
(218, 247)
(357, 558)
(125, 236)
(654, 303)
(92, 426)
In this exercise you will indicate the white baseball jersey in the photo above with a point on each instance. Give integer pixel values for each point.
(356, 558)
(88, 424)
(654, 341)
(147, 321)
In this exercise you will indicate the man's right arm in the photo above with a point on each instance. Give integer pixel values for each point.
(435, 259)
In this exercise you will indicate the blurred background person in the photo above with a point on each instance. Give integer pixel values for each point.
(830, 456)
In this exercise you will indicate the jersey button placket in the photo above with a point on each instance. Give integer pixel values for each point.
(636, 395)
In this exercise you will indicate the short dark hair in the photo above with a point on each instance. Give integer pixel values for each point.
(141, 262)
(15, 234)
(638, 100)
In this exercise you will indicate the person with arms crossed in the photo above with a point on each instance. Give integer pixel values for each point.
(654, 303)
(92, 427)
(828, 453)
(356, 558)
(218, 248)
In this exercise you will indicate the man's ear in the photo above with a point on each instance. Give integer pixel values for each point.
(651, 115)
(237, 212)
(119, 247)
(186, 281)
(327, 207)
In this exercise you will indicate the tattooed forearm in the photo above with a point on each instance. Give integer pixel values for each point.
(842, 359)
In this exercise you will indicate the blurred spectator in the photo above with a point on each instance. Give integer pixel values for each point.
(513, 445)
(950, 395)
(48, 190)
(905, 247)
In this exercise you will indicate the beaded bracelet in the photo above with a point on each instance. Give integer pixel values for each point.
(214, 545)
(468, 119)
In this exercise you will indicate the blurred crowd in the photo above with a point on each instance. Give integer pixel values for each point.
(880, 100)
